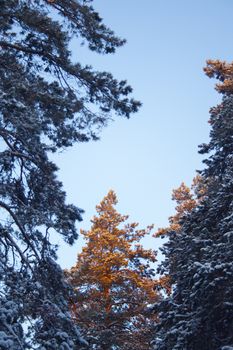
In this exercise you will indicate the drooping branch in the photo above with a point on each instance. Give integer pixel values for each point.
(15, 152)
(15, 245)
(17, 222)
(88, 79)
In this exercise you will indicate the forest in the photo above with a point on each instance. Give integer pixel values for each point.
(119, 295)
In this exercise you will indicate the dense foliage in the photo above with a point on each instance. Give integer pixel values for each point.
(114, 283)
(48, 102)
(199, 313)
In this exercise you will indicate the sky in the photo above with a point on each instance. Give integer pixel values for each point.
(142, 159)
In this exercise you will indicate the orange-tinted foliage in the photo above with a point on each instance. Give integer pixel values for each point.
(222, 71)
(187, 199)
(113, 277)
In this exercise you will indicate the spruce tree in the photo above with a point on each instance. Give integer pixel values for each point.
(114, 283)
(199, 313)
(48, 102)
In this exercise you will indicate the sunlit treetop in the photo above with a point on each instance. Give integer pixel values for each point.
(112, 253)
(222, 71)
(187, 199)
(114, 280)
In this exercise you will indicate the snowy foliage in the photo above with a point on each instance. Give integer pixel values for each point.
(199, 313)
(47, 103)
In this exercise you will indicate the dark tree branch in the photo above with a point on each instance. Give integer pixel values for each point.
(17, 222)
(8, 236)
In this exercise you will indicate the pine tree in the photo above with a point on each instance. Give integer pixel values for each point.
(223, 71)
(187, 199)
(114, 282)
(199, 313)
(48, 102)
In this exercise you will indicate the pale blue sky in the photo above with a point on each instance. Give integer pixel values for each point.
(144, 158)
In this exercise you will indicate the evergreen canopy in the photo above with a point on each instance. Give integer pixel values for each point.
(48, 102)
(199, 313)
